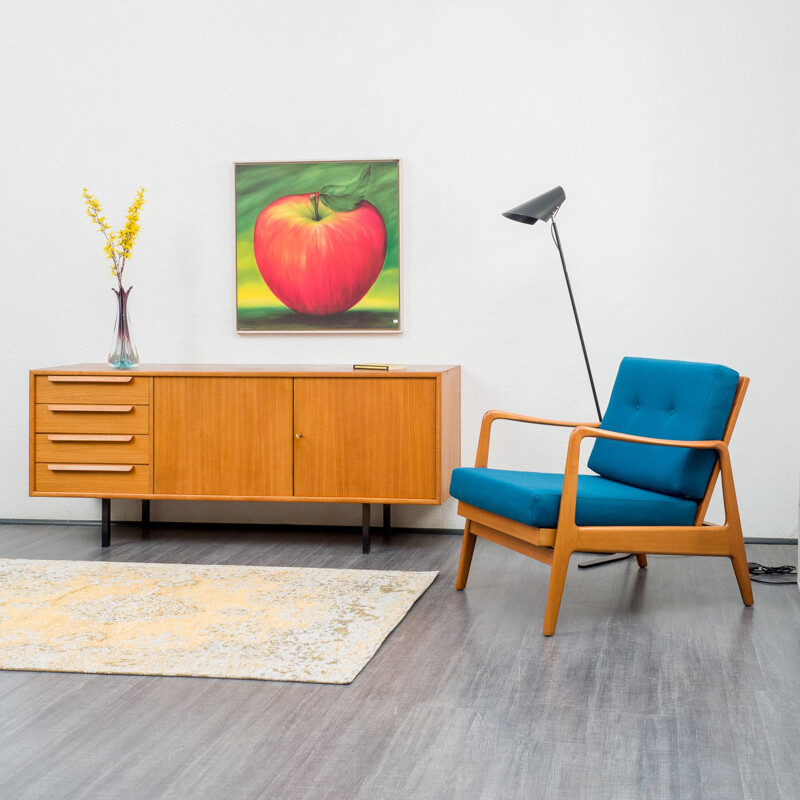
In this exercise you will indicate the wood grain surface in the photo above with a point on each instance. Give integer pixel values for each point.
(50, 418)
(106, 480)
(365, 439)
(248, 370)
(127, 449)
(223, 436)
(93, 389)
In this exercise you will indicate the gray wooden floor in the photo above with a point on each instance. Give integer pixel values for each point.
(658, 684)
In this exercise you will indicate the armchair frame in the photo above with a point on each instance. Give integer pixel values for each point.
(555, 546)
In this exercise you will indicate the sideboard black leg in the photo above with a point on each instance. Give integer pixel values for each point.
(365, 538)
(387, 517)
(145, 519)
(105, 531)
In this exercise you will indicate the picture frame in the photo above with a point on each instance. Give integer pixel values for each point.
(318, 246)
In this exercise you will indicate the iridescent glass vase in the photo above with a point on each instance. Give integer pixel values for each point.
(123, 353)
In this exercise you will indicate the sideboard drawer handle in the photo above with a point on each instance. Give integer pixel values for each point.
(110, 409)
(90, 378)
(90, 437)
(90, 467)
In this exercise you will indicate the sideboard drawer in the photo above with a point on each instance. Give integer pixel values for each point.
(87, 479)
(91, 418)
(93, 448)
(92, 389)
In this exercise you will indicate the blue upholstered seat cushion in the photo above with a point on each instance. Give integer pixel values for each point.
(533, 498)
(665, 400)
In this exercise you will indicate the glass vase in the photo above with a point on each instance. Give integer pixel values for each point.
(123, 353)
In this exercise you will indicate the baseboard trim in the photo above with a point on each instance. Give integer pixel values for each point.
(752, 540)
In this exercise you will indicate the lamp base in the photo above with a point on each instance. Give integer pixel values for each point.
(596, 562)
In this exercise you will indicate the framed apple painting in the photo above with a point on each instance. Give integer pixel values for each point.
(318, 246)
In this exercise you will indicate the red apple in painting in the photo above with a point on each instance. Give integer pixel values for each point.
(317, 260)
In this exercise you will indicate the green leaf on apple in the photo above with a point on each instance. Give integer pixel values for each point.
(348, 196)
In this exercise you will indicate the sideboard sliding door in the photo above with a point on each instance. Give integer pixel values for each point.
(359, 438)
(223, 437)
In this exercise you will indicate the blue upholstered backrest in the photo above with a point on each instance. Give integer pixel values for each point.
(665, 400)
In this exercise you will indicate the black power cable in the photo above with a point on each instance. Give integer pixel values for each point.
(757, 570)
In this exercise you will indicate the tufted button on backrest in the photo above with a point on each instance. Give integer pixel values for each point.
(680, 400)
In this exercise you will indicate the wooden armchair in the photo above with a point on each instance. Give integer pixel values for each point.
(662, 444)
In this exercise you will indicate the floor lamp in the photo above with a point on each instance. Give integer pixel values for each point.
(544, 208)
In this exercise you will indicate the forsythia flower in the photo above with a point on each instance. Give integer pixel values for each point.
(118, 246)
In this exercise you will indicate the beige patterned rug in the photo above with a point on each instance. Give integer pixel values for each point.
(270, 623)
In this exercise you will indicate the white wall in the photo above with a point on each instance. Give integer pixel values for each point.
(672, 126)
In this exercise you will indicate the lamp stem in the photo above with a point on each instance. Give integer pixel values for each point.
(577, 321)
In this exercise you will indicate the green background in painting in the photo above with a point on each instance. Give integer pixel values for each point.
(257, 185)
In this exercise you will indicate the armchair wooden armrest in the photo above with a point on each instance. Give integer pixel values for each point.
(569, 491)
(583, 431)
(482, 456)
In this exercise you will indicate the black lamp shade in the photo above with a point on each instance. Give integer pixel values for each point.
(540, 208)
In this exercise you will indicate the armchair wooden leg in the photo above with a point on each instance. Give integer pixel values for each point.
(641, 559)
(740, 569)
(467, 549)
(558, 576)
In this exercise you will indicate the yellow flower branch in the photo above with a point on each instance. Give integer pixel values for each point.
(118, 246)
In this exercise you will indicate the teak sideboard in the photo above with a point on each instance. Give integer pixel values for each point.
(245, 432)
